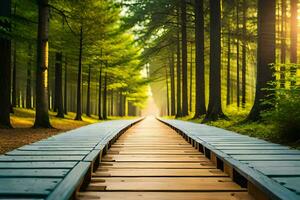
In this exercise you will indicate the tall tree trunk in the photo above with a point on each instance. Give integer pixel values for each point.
(14, 76)
(42, 104)
(172, 77)
(14, 72)
(294, 37)
(185, 107)
(58, 86)
(66, 87)
(191, 80)
(237, 56)
(100, 94)
(228, 85)
(283, 44)
(244, 58)
(79, 79)
(265, 55)
(105, 95)
(200, 108)
(28, 84)
(214, 111)
(178, 68)
(112, 103)
(121, 104)
(167, 92)
(88, 95)
(5, 66)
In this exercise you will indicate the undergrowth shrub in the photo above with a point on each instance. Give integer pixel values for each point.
(286, 114)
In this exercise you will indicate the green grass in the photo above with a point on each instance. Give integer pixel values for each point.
(24, 118)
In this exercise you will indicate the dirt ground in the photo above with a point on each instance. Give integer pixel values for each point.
(22, 134)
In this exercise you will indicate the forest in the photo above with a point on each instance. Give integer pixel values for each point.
(227, 63)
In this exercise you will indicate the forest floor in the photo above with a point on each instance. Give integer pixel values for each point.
(23, 133)
(236, 123)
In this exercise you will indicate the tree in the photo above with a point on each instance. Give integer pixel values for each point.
(172, 77)
(185, 107)
(79, 77)
(265, 56)
(88, 95)
(58, 85)
(28, 85)
(200, 108)
(244, 58)
(214, 111)
(42, 116)
(5, 64)
(294, 36)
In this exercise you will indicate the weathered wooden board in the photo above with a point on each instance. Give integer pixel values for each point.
(292, 183)
(40, 158)
(271, 164)
(37, 165)
(262, 152)
(108, 172)
(165, 195)
(280, 171)
(164, 184)
(154, 158)
(34, 173)
(267, 157)
(35, 187)
(47, 153)
(158, 165)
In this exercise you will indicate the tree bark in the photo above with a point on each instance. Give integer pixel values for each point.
(178, 69)
(58, 86)
(237, 56)
(28, 84)
(100, 94)
(200, 107)
(244, 58)
(112, 103)
(14, 72)
(88, 95)
(185, 107)
(167, 92)
(5, 66)
(172, 77)
(105, 95)
(66, 87)
(265, 56)
(79, 79)
(214, 111)
(42, 104)
(294, 39)
(228, 85)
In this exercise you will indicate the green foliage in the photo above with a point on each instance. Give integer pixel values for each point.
(286, 114)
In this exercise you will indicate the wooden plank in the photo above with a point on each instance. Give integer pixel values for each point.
(157, 152)
(262, 152)
(68, 186)
(165, 195)
(164, 184)
(266, 157)
(37, 165)
(33, 173)
(43, 148)
(280, 171)
(47, 153)
(107, 172)
(252, 147)
(154, 158)
(158, 165)
(30, 187)
(40, 158)
(291, 183)
(270, 163)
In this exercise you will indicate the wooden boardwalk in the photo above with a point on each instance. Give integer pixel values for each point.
(152, 162)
